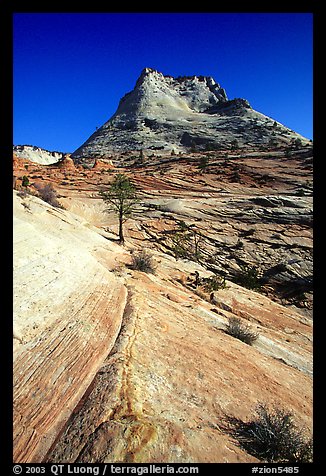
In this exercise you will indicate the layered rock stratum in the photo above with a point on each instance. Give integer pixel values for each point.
(182, 114)
(116, 365)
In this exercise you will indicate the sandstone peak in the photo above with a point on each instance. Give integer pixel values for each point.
(168, 113)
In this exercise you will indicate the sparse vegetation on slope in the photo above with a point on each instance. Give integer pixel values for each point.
(249, 277)
(172, 354)
(47, 193)
(271, 436)
(142, 261)
(236, 328)
(187, 242)
(25, 181)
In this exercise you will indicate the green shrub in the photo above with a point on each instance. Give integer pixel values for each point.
(214, 283)
(203, 162)
(187, 242)
(25, 181)
(248, 277)
(271, 436)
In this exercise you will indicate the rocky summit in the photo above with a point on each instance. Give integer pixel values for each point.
(182, 114)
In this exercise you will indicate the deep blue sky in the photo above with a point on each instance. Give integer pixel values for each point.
(70, 70)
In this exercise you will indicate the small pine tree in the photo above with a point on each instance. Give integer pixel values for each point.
(121, 198)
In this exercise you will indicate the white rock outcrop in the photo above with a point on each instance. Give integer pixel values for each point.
(37, 154)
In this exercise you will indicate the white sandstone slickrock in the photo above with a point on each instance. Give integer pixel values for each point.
(37, 154)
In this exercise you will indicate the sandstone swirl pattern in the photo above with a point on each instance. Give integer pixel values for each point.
(116, 365)
(67, 314)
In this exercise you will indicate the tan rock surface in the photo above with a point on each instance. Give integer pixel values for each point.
(68, 307)
(102, 376)
(161, 394)
(67, 163)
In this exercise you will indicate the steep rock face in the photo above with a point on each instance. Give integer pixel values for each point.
(154, 90)
(165, 113)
